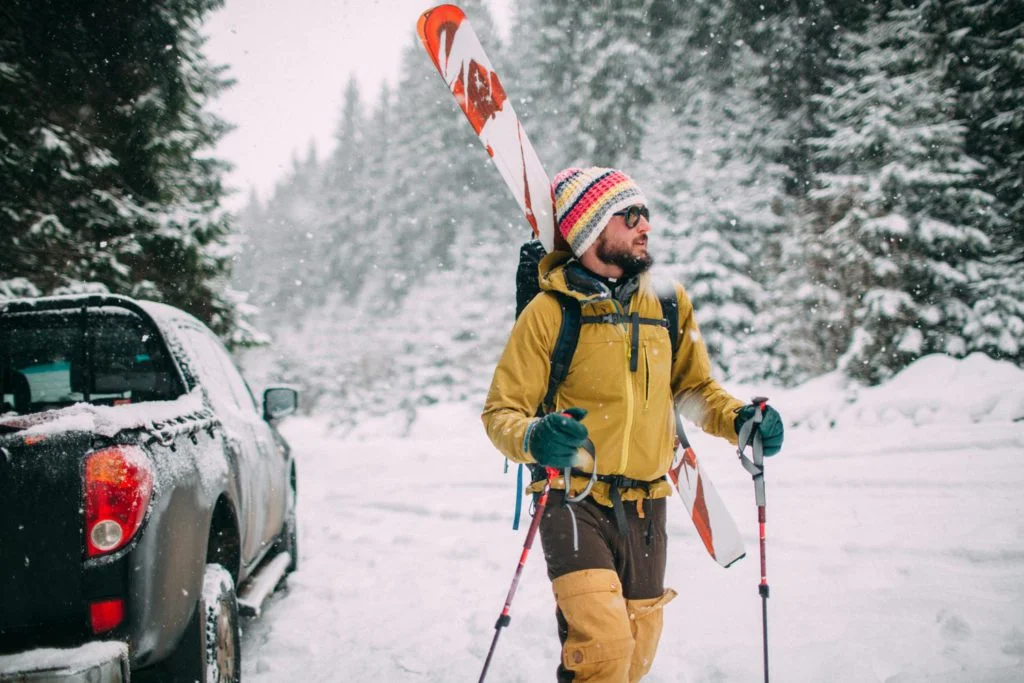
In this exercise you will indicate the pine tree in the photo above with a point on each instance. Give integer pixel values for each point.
(617, 73)
(293, 256)
(547, 70)
(902, 199)
(708, 173)
(984, 41)
(105, 178)
(348, 208)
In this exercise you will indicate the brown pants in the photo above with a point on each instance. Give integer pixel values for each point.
(609, 592)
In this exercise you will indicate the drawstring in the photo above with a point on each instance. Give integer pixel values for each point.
(567, 478)
(575, 530)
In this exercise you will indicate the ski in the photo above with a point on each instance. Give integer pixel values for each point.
(455, 50)
(715, 526)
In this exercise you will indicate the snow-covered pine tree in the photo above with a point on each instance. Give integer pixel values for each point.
(618, 69)
(900, 198)
(794, 42)
(797, 41)
(984, 46)
(707, 164)
(984, 41)
(546, 68)
(289, 256)
(106, 176)
(432, 166)
(344, 244)
(697, 181)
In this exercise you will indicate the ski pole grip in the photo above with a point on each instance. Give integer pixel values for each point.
(589, 455)
(761, 403)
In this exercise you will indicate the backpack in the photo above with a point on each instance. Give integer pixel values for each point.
(528, 287)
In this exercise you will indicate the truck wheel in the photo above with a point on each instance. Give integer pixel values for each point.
(210, 650)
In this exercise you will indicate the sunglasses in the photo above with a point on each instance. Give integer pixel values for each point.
(633, 214)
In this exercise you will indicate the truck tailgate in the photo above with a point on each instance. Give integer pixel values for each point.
(41, 525)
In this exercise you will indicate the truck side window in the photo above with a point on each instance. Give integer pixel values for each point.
(211, 372)
(236, 383)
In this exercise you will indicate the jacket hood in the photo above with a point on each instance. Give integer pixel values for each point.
(560, 271)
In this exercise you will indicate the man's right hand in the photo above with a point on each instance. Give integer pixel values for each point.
(555, 438)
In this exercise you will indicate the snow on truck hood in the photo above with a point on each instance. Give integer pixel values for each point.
(103, 420)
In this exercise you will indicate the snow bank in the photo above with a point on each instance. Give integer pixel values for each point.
(935, 389)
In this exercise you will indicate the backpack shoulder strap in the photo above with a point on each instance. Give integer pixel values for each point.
(564, 349)
(569, 335)
(670, 312)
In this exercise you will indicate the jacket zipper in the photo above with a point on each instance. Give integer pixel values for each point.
(647, 379)
(627, 432)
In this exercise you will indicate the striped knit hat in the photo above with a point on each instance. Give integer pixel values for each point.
(586, 198)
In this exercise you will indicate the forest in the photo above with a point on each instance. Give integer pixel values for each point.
(839, 185)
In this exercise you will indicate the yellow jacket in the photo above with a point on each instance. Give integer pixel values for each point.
(629, 414)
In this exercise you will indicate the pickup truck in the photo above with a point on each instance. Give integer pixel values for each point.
(141, 484)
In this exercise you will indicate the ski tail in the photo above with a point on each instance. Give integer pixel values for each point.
(454, 48)
(715, 526)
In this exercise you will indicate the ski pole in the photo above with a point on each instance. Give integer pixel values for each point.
(504, 618)
(750, 433)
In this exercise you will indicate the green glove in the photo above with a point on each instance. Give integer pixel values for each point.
(554, 439)
(771, 427)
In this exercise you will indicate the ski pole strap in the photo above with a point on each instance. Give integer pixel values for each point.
(750, 433)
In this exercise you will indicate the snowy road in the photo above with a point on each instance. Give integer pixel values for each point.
(894, 554)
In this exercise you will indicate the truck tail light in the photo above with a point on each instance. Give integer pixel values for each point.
(105, 614)
(118, 486)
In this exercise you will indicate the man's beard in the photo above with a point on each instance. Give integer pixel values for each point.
(630, 265)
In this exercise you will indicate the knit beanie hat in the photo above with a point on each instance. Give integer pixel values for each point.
(586, 198)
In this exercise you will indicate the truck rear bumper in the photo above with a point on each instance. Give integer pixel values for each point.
(100, 662)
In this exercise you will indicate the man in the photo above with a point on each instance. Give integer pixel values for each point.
(606, 553)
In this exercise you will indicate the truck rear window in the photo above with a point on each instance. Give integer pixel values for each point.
(103, 356)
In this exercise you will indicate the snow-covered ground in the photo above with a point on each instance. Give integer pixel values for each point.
(895, 549)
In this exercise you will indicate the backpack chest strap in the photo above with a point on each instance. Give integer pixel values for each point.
(634, 321)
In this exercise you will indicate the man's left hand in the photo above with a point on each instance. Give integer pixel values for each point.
(771, 428)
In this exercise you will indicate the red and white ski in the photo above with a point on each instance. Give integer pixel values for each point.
(456, 51)
(714, 524)
(452, 44)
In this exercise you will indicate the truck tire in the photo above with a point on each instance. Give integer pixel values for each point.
(210, 650)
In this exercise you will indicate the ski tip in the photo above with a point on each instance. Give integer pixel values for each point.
(433, 24)
(438, 16)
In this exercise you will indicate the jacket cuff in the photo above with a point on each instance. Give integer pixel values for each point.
(526, 437)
